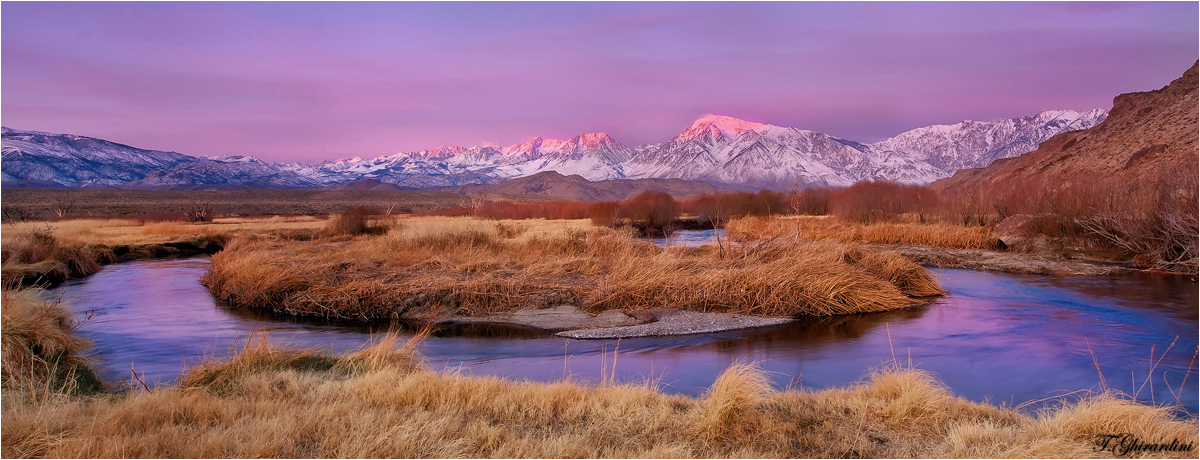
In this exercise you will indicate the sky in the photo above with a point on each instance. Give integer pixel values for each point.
(316, 81)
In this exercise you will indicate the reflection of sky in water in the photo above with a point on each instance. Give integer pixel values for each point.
(1007, 338)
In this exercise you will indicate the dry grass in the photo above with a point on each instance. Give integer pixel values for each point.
(41, 354)
(834, 229)
(37, 256)
(476, 268)
(381, 403)
(515, 230)
(112, 232)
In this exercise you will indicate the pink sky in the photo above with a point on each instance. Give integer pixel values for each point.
(315, 81)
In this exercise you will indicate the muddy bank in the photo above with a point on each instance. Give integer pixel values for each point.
(570, 322)
(670, 321)
(1010, 262)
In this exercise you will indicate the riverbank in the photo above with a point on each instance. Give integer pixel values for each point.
(1009, 262)
(383, 402)
(47, 253)
(947, 245)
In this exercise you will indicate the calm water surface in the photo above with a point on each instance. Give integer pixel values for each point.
(999, 337)
(689, 238)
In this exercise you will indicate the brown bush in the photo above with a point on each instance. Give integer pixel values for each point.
(811, 201)
(881, 201)
(355, 221)
(604, 214)
(652, 212)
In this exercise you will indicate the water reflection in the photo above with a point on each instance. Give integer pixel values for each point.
(1010, 338)
(689, 238)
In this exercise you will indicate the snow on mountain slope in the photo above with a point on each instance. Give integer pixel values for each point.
(78, 161)
(714, 148)
(973, 144)
(731, 151)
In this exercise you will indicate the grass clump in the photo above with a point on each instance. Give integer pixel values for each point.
(479, 271)
(358, 220)
(37, 256)
(41, 353)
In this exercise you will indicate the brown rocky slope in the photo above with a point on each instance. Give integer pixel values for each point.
(1146, 134)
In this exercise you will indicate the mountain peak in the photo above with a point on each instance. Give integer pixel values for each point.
(595, 139)
(726, 123)
(718, 127)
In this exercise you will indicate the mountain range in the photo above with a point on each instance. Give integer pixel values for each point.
(715, 149)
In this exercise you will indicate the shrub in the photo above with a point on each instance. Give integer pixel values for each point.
(355, 221)
(651, 211)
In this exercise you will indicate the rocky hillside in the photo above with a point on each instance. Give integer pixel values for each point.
(1147, 135)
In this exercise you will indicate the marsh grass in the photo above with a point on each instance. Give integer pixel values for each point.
(477, 268)
(836, 229)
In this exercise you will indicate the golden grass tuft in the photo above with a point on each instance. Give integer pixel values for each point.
(730, 408)
(41, 353)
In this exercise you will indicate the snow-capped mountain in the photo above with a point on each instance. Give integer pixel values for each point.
(732, 151)
(78, 161)
(715, 149)
(973, 144)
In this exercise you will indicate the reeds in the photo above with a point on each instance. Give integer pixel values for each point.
(480, 271)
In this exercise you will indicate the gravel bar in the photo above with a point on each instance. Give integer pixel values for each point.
(677, 322)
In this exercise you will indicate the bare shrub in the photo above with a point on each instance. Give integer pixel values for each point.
(199, 212)
(604, 214)
(17, 214)
(880, 201)
(63, 206)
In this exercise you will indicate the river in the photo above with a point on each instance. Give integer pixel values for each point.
(999, 337)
